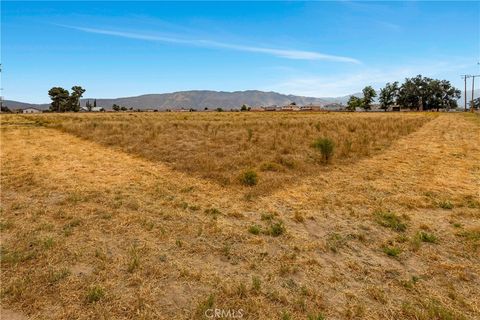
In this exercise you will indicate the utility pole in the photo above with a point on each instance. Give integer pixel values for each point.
(465, 77)
(473, 88)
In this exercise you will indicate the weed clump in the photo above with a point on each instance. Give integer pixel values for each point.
(447, 205)
(427, 237)
(95, 293)
(249, 178)
(254, 229)
(390, 220)
(391, 251)
(326, 147)
(277, 229)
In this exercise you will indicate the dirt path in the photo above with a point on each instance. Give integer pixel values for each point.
(77, 216)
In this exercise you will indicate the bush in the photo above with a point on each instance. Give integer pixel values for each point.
(249, 178)
(95, 293)
(326, 148)
(255, 229)
(390, 220)
(446, 205)
(277, 229)
(427, 237)
(391, 251)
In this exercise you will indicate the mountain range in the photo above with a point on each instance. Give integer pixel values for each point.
(198, 99)
(201, 99)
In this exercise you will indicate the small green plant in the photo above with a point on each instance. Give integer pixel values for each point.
(318, 316)
(56, 276)
(286, 315)
(95, 293)
(277, 229)
(390, 220)
(326, 147)
(256, 284)
(48, 242)
(5, 225)
(214, 212)
(391, 251)
(242, 290)
(267, 216)
(250, 133)
(249, 178)
(254, 229)
(427, 237)
(134, 262)
(446, 204)
(270, 166)
(205, 305)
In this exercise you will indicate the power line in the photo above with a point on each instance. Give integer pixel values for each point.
(465, 77)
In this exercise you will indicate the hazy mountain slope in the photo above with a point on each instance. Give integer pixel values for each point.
(207, 99)
(201, 99)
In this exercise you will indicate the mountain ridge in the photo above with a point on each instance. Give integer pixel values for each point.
(200, 99)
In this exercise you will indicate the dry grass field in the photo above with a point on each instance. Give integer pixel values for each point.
(222, 147)
(143, 216)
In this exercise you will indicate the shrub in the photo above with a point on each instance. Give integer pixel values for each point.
(95, 293)
(427, 237)
(254, 229)
(249, 178)
(446, 205)
(277, 229)
(256, 283)
(390, 220)
(391, 251)
(326, 148)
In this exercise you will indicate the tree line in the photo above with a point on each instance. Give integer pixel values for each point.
(417, 93)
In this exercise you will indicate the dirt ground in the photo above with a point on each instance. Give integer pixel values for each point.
(91, 232)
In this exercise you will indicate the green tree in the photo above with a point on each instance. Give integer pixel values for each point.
(60, 99)
(442, 95)
(243, 108)
(422, 93)
(95, 103)
(88, 105)
(353, 103)
(475, 104)
(413, 93)
(388, 95)
(368, 95)
(74, 99)
(123, 108)
(116, 107)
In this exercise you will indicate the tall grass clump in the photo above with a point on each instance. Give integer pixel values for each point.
(326, 147)
(249, 178)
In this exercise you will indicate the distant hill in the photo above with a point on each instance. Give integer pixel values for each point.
(200, 99)
(207, 99)
(23, 105)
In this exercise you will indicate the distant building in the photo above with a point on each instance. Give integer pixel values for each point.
(94, 109)
(291, 107)
(31, 110)
(270, 108)
(310, 107)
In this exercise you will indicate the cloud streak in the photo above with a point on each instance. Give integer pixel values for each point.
(281, 53)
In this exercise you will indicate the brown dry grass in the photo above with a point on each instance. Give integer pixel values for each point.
(90, 231)
(221, 146)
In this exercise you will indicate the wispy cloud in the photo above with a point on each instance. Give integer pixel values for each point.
(282, 53)
(342, 84)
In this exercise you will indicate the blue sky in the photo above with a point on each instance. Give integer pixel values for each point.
(117, 49)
